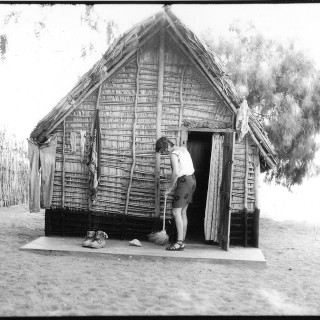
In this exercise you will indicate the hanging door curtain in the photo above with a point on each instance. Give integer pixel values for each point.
(212, 214)
(94, 161)
(42, 160)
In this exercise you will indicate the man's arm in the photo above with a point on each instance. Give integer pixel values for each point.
(175, 172)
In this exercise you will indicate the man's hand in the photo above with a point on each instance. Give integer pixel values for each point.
(168, 191)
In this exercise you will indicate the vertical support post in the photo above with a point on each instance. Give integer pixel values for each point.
(63, 186)
(245, 239)
(159, 117)
(256, 215)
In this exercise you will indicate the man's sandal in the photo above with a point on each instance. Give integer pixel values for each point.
(174, 246)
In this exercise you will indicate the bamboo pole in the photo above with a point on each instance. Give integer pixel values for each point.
(159, 117)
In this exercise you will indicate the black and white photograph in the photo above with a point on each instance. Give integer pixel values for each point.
(159, 159)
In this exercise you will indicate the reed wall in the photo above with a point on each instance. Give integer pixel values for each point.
(14, 170)
(243, 188)
(76, 173)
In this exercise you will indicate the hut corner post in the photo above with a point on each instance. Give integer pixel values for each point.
(256, 216)
(245, 213)
(159, 117)
(63, 177)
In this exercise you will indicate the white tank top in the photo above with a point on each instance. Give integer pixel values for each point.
(184, 160)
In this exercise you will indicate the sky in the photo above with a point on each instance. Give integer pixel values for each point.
(38, 72)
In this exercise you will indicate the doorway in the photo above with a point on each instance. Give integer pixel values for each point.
(199, 145)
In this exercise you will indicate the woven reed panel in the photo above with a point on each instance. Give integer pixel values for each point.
(75, 169)
(201, 105)
(117, 107)
(239, 177)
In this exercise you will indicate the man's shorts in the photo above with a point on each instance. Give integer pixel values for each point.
(184, 191)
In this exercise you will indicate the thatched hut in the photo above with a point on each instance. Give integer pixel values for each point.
(158, 79)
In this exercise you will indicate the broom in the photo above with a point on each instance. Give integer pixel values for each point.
(161, 237)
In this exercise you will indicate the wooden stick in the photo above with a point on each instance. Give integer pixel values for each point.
(159, 118)
(133, 136)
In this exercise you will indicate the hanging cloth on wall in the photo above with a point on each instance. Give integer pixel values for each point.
(242, 119)
(212, 214)
(34, 176)
(42, 163)
(95, 152)
(48, 162)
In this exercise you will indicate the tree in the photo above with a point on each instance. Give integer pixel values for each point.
(281, 85)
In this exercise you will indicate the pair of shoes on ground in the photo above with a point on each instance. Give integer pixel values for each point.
(95, 239)
(177, 246)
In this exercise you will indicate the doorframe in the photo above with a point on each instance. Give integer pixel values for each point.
(184, 131)
(197, 209)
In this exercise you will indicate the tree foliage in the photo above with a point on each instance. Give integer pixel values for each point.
(282, 87)
(96, 23)
(3, 46)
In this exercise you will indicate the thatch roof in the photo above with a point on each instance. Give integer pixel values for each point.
(125, 47)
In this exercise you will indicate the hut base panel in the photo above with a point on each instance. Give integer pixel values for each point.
(242, 229)
(71, 222)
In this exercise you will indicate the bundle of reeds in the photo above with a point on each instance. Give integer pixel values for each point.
(14, 170)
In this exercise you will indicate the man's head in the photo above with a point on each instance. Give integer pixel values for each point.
(163, 145)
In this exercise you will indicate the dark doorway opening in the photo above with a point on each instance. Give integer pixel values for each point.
(199, 145)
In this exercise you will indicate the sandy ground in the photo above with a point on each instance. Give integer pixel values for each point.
(40, 285)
